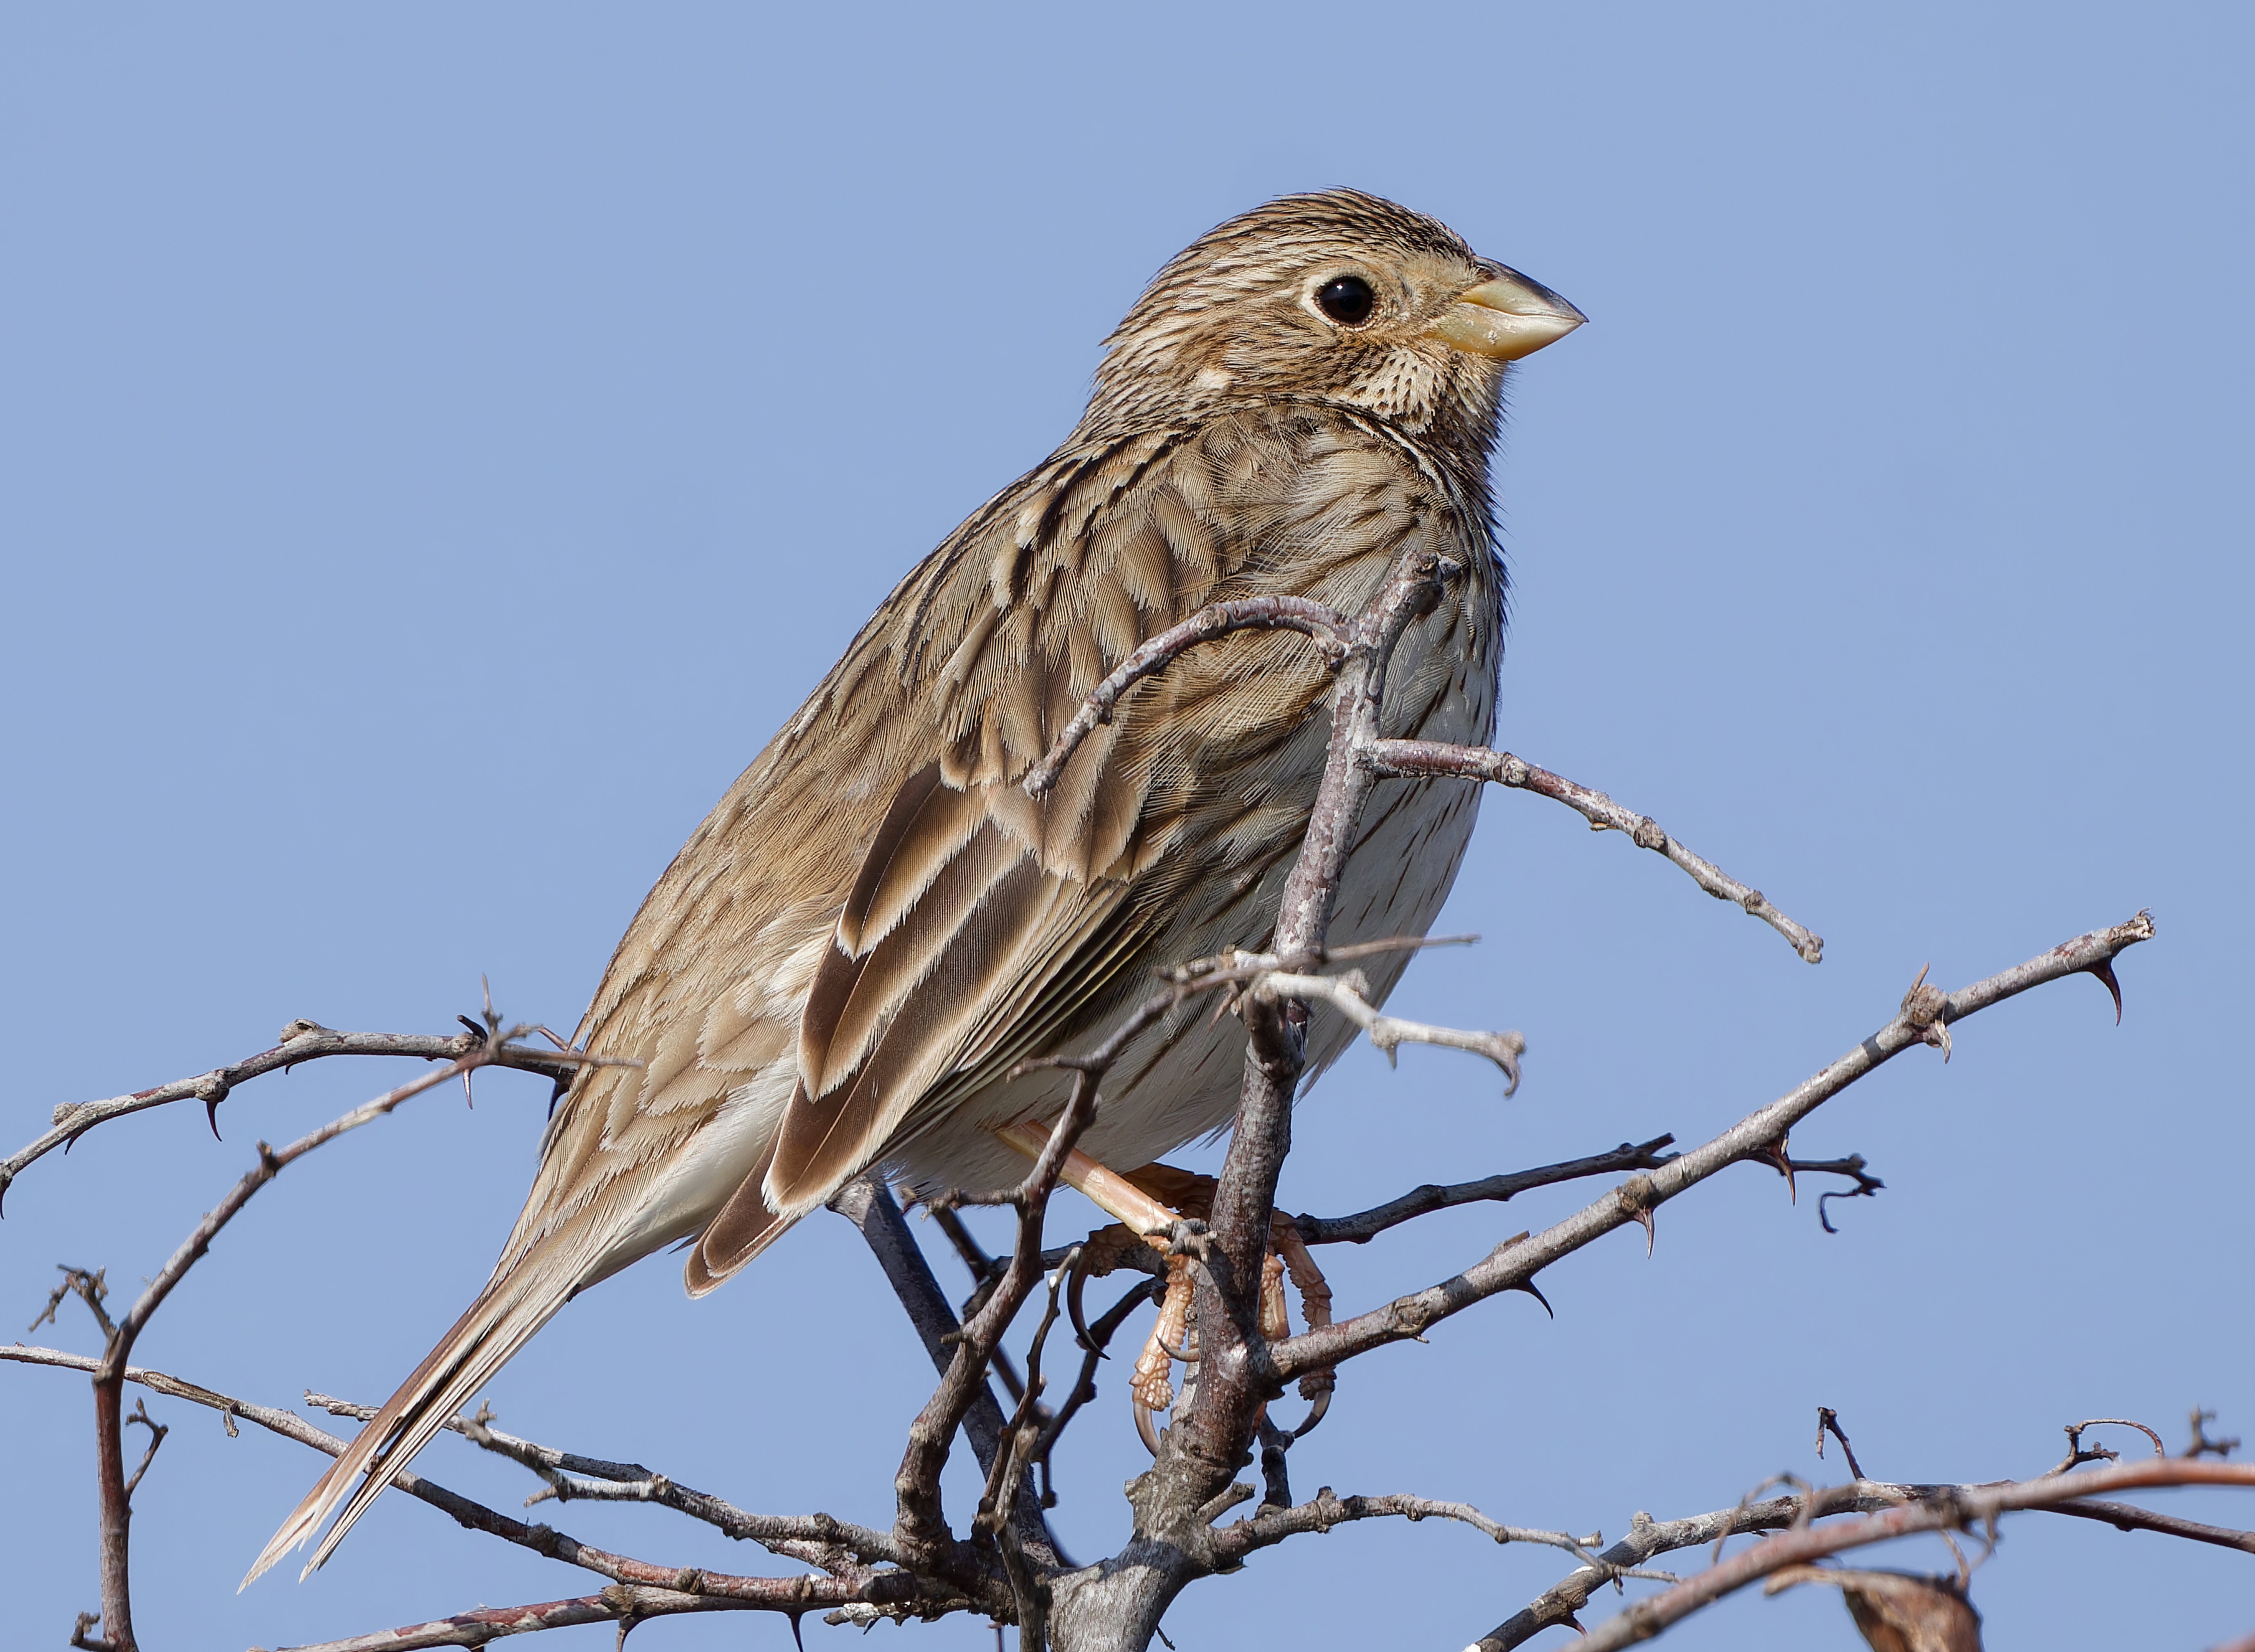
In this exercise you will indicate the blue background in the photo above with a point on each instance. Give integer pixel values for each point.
(441, 444)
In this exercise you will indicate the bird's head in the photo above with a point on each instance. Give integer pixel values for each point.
(1336, 296)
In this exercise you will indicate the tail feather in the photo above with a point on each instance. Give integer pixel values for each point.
(500, 1322)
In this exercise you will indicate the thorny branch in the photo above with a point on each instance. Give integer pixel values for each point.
(1940, 1508)
(300, 1040)
(486, 1046)
(1361, 1228)
(1933, 1505)
(1272, 1525)
(869, 1204)
(1010, 1567)
(816, 1540)
(1240, 1369)
(1409, 759)
(920, 1526)
(795, 1536)
(1924, 1014)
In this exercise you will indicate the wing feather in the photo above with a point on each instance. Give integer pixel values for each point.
(874, 923)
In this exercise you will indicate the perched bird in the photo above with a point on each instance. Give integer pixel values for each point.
(876, 922)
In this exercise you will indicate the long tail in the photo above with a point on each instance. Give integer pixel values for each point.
(506, 1313)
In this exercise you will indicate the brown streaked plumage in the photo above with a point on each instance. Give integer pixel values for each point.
(876, 922)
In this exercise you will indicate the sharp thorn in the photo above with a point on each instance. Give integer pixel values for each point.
(2105, 970)
(1528, 1286)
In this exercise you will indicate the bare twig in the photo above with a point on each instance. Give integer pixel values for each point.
(850, 1582)
(300, 1040)
(1648, 1537)
(486, 1046)
(2129, 1517)
(92, 1289)
(1272, 1525)
(868, 1204)
(1940, 1508)
(920, 1526)
(1852, 1167)
(157, 1432)
(1425, 758)
(1236, 1375)
(569, 1477)
(1361, 1228)
(1028, 1587)
(621, 1604)
(1331, 630)
(2201, 1445)
(1925, 1012)
(1827, 1421)
(987, 1272)
(2078, 1454)
(1348, 994)
(1099, 1337)
(1558, 1606)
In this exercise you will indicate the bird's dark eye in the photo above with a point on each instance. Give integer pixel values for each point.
(1346, 300)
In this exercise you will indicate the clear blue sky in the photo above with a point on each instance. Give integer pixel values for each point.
(437, 445)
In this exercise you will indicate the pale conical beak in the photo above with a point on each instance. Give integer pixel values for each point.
(1506, 318)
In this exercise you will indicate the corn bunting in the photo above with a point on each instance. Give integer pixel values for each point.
(843, 964)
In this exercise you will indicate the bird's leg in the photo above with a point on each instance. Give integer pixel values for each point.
(1106, 1189)
(1291, 1252)
(1157, 1223)
(1151, 1387)
(1275, 1324)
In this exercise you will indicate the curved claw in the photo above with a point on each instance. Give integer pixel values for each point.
(211, 1115)
(1076, 1278)
(1145, 1429)
(1317, 1408)
(1528, 1287)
